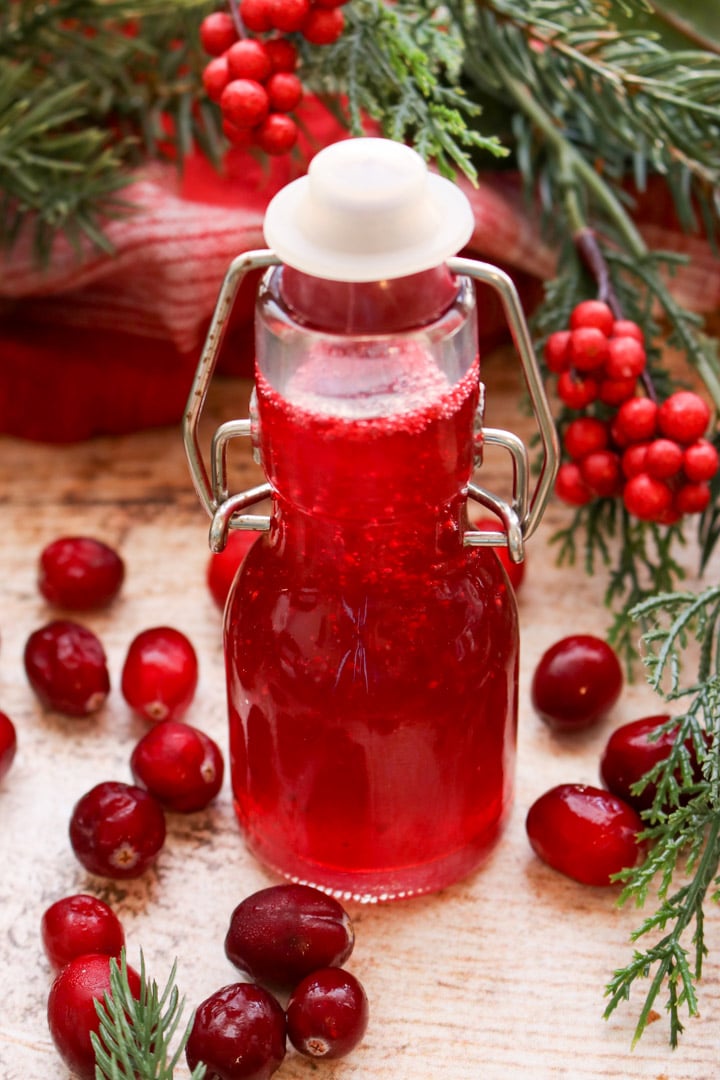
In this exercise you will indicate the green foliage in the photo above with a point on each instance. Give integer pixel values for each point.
(136, 1035)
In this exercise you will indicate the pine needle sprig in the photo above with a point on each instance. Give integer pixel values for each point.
(401, 66)
(682, 833)
(136, 1034)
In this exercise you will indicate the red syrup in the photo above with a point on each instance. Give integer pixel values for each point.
(371, 658)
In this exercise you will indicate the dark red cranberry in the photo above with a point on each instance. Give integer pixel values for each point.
(584, 832)
(178, 764)
(80, 573)
(327, 1014)
(8, 743)
(282, 933)
(633, 750)
(222, 568)
(71, 1009)
(238, 1033)
(117, 830)
(160, 674)
(77, 925)
(577, 681)
(67, 668)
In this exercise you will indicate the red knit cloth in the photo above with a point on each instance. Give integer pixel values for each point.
(104, 343)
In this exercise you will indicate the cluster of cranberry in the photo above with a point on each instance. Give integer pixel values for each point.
(253, 79)
(586, 832)
(654, 456)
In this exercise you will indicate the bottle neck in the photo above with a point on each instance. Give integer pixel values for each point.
(368, 307)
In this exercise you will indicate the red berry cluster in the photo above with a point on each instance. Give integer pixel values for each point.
(654, 456)
(252, 79)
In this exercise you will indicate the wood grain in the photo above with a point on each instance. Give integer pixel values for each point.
(499, 977)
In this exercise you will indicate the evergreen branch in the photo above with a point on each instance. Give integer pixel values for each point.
(136, 1034)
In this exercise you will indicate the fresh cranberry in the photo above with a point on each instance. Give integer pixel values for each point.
(240, 137)
(584, 436)
(178, 764)
(663, 459)
(255, 14)
(588, 348)
(628, 328)
(684, 416)
(636, 421)
(327, 1014)
(282, 53)
(222, 567)
(557, 355)
(160, 674)
(244, 102)
(633, 459)
(282, 933)
(117, 830)
(71, 1009)
(626, 358)
(692, 498)
(576, 682)
(277, 134)
(8, 743)
(217, 33)
(570, 486)
(592, 313)
(323, 26)
(646, 498)
(632, 751)
(616, 391)
(249, 59)
(285, 91)
(238, 1033)
(215, 77)
(515, 571)
(77, 925)
(584, 832)
(289, 15)
(601, 472)
(700, 461)
(80, 573)
(575, 390)
(67, 668)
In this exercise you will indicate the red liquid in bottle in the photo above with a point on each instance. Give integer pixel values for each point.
(371, 658)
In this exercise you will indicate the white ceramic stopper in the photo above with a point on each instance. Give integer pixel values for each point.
(368, 209)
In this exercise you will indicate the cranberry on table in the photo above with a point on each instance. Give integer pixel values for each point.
(80, 573)
(77, 925)
(238, 1033)
(223, 566)
(117, 830)
(178, 764)
(160, 674)
(71, 1009)
(584, 832)
(632, 751)
(8, 743)
(67, 668)
(576, 682)
(327, 1014)
(282, 933)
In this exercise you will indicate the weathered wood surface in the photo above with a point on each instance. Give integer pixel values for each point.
(501, 976)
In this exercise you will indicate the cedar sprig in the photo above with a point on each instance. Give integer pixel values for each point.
(136, 1034)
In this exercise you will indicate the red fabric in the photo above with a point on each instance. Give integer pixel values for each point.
(107, 344)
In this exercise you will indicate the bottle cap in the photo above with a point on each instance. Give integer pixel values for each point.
(368, 209)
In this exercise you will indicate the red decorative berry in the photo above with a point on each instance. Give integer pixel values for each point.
(80, 573)
(8, 743)
(636, 421)
(217, 33)
(277, 134)
(71, 1009)
(249, 59)
(255, 14)
(240, 137)
(584, 436)
(222, 568)
(647, 498)
(626, 358)
(684, 416)
(631, 752)
(557, 354)
(628, 328)
(593, 313)
(285, 91)
(588, 348)
(576, 683)
(615, 391)
(289, 15)
(601, 472)
(160, 674)
(178, 764)
(67, 668)
(323, 26)
(117, 830)
(575, 390)
(515, 571)
(700, 461)
(216, 77)
(282, 933)
(282, 53)
(692, 498)
(327, 1014)
(238, 1033)
(584, 832)
(633, 459)
(78, 925)
(663, 459)
(244, 102)
(570, 486)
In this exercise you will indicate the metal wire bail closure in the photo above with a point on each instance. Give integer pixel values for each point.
(520, 518)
